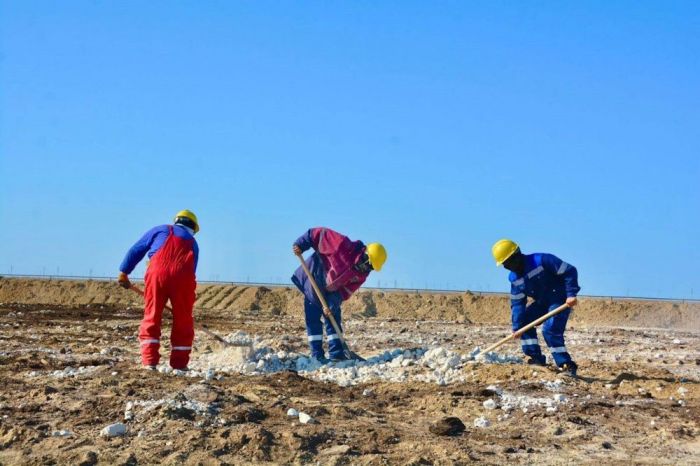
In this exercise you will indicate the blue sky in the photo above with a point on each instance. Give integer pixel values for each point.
(436, 128)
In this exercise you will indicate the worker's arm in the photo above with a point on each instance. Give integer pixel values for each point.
(195, 251)
(568, 272)
(138, 251)
(518, 303)
(303, 243)
(323, 240)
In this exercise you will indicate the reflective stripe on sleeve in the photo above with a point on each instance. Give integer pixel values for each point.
(535, 271)
(528, 342)
(558, 349)
(182, 348)
(519, 282)
(315, 337)
(562, 268)
(515, 297)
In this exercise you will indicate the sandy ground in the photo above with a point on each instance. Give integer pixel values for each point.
(69, 371)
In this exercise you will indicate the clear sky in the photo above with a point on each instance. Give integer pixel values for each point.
(434, 127)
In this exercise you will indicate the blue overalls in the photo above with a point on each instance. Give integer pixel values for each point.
(548, 281)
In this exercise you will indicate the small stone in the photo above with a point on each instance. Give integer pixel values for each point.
(559, 397)
(113, 430)
(481, 422)
(447, 426)
(306, 419)
(337, 450)
(559, 431)
(607, 445)
(49, 390)
(292, 412)
(61, 433)
(490, 404)
(367, 392)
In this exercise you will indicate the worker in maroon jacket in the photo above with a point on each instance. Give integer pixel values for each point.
(339, 267)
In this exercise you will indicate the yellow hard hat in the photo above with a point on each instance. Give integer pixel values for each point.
(190, 215)
(377, 255)
(502, 250)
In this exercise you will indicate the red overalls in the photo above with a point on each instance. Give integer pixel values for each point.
(170, 275)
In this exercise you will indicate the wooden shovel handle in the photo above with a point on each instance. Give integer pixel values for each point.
(520, 331)
(323, 301)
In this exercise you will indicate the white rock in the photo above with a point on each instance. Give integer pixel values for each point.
(115, 373)
(490, 404)
(481, 422)
(551, 409)
(559, 397)
(682, 390)
(292, 412)
(113, 430)
(306, 419)
(677, 341)
(367, 392)
(61, 433)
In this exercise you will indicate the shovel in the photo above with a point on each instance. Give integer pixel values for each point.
(201, 327)
(519, 332)
(329, 315)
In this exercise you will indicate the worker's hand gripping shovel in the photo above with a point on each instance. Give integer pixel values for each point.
(520, 331)
(201, 327)
(326, 311)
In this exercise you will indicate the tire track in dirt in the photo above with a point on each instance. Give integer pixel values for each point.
(211, 295)
(224, 293)
(232, 298)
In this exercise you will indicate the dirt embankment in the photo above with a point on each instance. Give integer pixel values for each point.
(231, 300)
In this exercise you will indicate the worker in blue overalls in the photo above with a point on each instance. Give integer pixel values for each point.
(550, 282)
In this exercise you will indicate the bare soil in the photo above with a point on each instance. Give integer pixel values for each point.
(637, 400)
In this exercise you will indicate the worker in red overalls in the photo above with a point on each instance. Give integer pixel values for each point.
(173, 254)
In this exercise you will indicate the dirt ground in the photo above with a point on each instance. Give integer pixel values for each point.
(69, 367)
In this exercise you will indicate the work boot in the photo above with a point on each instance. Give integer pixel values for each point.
(322, 359)
(151, 368)
(536, 361)
(339, 357)
(569, 369)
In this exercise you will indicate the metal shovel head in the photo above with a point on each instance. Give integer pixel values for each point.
(352, 355)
